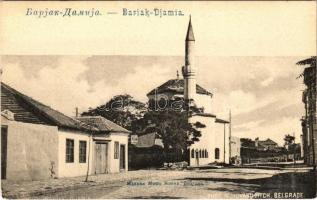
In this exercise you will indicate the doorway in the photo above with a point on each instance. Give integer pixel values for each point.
(122, 157)
(4, 139)
(197, 157)
(101, 158)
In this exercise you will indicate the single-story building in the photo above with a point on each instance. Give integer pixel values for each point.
(38, 142)
(111, 140)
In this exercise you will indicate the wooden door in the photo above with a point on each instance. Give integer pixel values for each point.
(122, 156)
(4, 136)
(101, 158)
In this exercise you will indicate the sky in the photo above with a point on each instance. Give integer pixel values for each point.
(246, 56)
(263, 93)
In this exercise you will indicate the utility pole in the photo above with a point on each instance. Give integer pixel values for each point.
(230, 136)
(294, 148)
(88, 157)
(224, 142)
(314, 116)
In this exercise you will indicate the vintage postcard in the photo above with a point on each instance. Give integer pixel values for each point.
(158, 100)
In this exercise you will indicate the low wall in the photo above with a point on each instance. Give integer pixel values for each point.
(141, 158)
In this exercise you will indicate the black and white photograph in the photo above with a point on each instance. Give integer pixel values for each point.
(158, 100)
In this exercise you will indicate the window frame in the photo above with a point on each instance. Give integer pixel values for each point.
(82, 154)
(70, 151)
(116, 150)
(192, 153)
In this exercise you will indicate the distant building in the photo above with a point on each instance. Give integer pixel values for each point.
(38, 142)
(309, 124)
(213, 145)
(261, 151)
(264, 145)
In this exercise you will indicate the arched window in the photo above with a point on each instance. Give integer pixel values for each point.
(217, 153)
(202, 154)
(199, 153)
(193, 153)
(206, 154)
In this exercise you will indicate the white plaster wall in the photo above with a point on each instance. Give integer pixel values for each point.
(223, 143)
(212, 138)
(206, 140)
(114, 164)
(31, 150)
(202, 100)
(75, 168)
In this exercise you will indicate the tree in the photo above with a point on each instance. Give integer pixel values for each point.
(288, 139)
(170, 123)
(121, 109)
(172, 127)
(247, 142)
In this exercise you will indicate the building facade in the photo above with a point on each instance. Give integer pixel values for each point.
(38, 142)
(265, 145)
(235, 150)
(309, 125)
(213, 145)
(110, 145)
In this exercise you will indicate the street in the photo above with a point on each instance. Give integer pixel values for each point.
(211, 183)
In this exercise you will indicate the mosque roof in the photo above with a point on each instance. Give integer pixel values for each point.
(176, 86)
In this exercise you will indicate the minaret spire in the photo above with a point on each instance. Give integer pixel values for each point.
(190, 32)
(189, 71)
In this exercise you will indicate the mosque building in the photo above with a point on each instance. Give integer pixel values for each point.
(213, 145)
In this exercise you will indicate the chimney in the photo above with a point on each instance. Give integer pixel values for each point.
(76, 112)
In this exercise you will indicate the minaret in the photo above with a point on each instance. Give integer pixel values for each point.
(189, 70)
